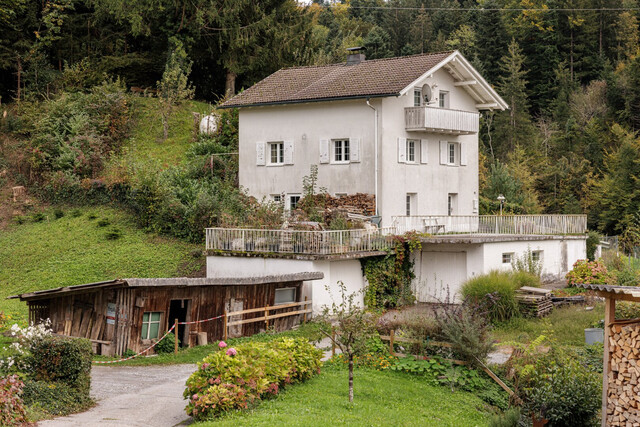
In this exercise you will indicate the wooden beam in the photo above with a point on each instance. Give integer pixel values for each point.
(609, 318)
(466, 83)
(619, 297)
(490, 105)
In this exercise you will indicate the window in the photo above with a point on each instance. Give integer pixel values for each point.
(151, 325)
(294, 199)
(452, 202)
(276, 198)
(410, 203)
(536, 256)
(443, 99)
(276, 153)
(411, 151)
(507, 258)
(285, 296)
(417, 97)
(451, 153)
(341, 152)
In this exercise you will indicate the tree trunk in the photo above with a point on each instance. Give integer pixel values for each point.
(350, 378)
(230, 84)
(19, 78)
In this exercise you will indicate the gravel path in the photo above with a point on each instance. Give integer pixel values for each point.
(133, 396)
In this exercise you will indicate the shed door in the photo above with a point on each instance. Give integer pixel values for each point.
(441, 272)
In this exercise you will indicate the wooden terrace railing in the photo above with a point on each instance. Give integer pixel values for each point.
(442, 120)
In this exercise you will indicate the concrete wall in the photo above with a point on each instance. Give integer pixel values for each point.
(347, 271)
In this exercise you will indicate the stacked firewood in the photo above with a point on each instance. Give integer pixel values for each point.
(359, 203)
(623, 394)
(534, 302)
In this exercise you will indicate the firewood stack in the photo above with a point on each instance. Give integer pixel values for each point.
(359, 203)
(534, 302)
(623, 395)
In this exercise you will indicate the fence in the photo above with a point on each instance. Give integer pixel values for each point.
(493, 224)
(299, 242)
(265, 310)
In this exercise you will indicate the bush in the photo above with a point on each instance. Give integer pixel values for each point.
(20, 219)
(12, 411)
(593, 240)
(589, 272)
(523, 278)
(527, 264)
(167, 345)
(494, 291)
(103, 222)
(627, 310)
(236, 378)
(55, 397)
(58, 213)
(38, 217)
(509, 418)
(113, 234)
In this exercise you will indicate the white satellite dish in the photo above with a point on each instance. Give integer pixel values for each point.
(426, 93)
(209, 124)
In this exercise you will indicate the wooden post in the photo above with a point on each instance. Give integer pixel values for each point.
(333, 342)
(224, 330)
(266, 318)
(391, 342)
(304, 319)
(175, 334)
(609, 318)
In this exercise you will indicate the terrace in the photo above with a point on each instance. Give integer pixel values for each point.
(358, 241)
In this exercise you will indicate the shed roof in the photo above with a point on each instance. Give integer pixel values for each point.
(173, 281)
(367, 79)
(623, 291)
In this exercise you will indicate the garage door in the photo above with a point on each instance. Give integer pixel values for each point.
(440, 273)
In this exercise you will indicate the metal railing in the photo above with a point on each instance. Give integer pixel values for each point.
(441, 120)
(493, 224)
(299, 242)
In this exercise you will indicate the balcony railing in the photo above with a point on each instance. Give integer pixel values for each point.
(493, 224)
(441, 120)
(299, 242)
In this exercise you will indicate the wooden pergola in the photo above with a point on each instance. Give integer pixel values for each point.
(625, 331)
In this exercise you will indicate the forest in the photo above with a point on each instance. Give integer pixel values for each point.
(569, 69)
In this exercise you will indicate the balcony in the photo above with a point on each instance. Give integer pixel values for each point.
(441, 120)
(493, 224)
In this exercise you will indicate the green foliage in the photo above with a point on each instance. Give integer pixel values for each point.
(167, 345)
(495, 292)
(12, 410)
(527, 264)
(103, 222)
(128, 353)
(509, 418)
(113, 233)
(38, 217)
(627, 310)
(524, 278)
(593, 240)
(58, 213)
(590, 272)
(234, 378)
(389, 277)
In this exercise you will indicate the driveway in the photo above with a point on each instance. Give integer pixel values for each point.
(133, 396)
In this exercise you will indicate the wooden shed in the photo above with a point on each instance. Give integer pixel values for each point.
(621, 368)
(123, 314)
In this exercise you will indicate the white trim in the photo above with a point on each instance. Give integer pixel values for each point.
(428, 73)
(466, 83)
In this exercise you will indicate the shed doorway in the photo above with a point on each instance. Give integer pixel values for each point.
(179, 309)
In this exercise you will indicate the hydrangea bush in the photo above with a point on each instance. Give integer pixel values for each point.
(590, 272)
(237, 377)
(12, 411)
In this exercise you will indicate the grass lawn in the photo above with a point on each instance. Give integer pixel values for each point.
(146, 138)
(381, 398)
(567, 323)
(74, 250)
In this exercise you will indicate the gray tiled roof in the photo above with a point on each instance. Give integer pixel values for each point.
(379, 77)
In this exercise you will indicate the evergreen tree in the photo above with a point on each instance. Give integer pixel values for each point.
(492, 40)
(174, 86)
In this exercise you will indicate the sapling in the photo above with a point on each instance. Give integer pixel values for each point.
(353, 326)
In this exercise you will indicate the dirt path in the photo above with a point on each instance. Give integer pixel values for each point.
(133, 396)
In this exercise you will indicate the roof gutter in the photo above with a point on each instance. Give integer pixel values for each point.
(305, 101)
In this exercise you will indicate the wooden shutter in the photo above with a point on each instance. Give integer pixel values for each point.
(475, 206)
(444, 152)
(288, 152)
(463, 154)
(402, 150)
(260, 153)
(354, 147)
(324, 151)
(424, 151)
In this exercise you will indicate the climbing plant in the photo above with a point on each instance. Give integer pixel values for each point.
(390, 276)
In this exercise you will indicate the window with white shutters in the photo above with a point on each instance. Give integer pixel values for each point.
(402, 150)
(288, 152)
(260, 154)
(411, 150)
(355, 149)
(341, 150)
(324, 151)
(276, 153)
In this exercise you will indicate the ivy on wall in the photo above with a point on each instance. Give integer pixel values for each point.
(390, 276)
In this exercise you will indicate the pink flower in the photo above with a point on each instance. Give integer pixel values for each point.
(222, 344)
(231, 352)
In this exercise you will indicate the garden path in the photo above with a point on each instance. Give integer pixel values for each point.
(133, 396)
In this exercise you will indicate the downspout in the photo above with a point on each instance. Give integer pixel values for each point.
(375, 150)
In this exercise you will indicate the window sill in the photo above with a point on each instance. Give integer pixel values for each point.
(270, 165)
(348, 162)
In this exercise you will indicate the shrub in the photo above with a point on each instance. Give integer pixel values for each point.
(523, 278)
(12, 411)
(509, 418)
(20, 219)
(58, 213)
(92, 216)
(236, 378)
(76, 213)
(113, 234)
(496, 292)
(167, 345)
(593, 240)
(38, 217)
(590, 272)
(103, 222)
(55, 397)
(527, 263)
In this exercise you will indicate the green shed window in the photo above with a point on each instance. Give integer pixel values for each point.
(151, 325)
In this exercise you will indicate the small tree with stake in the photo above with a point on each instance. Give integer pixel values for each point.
(353, 326)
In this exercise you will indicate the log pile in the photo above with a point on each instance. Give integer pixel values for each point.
(359, 203)
(623, 393)
(534, 302)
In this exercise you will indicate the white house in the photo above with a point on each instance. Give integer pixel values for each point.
(402, 129)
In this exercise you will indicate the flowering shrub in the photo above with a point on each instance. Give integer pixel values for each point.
(13, 358)
(585, 271)
(12, 410)
(238, 377)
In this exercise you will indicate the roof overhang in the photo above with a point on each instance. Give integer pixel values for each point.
(627, 293)
(467, 77)
(306, 101)
(180, 282)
